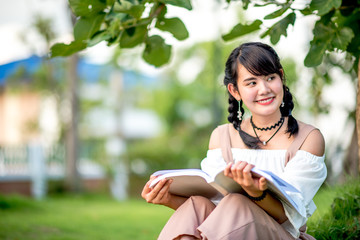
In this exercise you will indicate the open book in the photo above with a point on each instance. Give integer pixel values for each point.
(190, 182)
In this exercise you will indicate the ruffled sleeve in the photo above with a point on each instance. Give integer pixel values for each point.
(213, 162)
(306, 172)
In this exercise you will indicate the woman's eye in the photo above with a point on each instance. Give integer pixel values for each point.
(271, 78)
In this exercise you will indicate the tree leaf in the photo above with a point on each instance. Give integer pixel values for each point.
(179, 3)
(63, 50)
(87, 8)
(240, 30)
(316, 53)
(135, 10)
(324, 6)
(133, 36)
(156, 52)
(278, 12)
(321, 42)
(85, 27)
(280, 28)
(122, 5)
(245, 4)
(173, 25)
(99, 37)
(326, 18)
(306, 11)
(342, 38)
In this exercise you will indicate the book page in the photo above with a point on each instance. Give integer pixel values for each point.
(278, 187)
(188, 182)
(187, 186)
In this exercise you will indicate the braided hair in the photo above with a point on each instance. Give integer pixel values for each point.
(260, 60)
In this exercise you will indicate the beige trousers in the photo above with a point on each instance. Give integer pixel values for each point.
(199, 218)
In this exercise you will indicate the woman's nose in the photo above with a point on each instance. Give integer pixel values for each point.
(264, 87)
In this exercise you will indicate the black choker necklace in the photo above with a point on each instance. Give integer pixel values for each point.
(267, 128)
(281, 121)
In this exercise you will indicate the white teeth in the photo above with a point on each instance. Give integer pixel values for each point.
(265, 101)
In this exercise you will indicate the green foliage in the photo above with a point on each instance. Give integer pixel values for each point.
(85, 27)
(280, 28)
(61, 49)
(327, 37)
(343, 219)
(324, 6)
(179, 3)
(156, 52)
(173, 25)
(125, 23)
(240, 30)
(336, 30)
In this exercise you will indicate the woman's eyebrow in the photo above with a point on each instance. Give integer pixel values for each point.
(249, 79)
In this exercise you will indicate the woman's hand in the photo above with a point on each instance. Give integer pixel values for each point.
(241, 173)
(160, 194)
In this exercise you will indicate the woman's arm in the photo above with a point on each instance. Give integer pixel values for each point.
(160, 194)
(314, 143)
(255, 187)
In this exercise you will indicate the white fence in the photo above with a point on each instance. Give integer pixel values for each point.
(34, 163)
(38, 164)
(21, 161)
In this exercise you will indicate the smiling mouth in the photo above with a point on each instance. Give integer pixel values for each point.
(266, 101)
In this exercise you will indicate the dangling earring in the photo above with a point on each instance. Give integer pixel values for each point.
(239, 111)
(282, 104)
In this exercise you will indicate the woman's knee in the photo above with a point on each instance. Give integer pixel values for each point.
(236, 197)
(239, 202)
(201, 201)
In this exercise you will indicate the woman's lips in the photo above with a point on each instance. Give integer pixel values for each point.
(266, 101)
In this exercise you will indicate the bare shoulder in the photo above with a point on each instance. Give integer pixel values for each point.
(314, 143)
(214, 139)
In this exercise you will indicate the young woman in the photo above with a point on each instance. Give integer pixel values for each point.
(271, 139)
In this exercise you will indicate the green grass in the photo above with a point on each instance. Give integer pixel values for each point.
(100, 217)
(71, 217)
(341, 218)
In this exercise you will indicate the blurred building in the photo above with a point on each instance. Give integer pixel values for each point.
(30, 122)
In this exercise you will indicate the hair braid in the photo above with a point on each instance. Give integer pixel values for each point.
(232, 109)
(292, 126)
(248, 140)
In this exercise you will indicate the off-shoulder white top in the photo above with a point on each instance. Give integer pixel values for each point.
(304, 171)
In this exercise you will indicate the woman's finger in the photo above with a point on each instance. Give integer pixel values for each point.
(248, 180)
(163, 194)
(237, 170)
(263, 184)
(227, 170)
(146, 189)
(155, 191)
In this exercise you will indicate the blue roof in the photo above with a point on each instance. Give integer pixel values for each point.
(30, 65)
(87, 72)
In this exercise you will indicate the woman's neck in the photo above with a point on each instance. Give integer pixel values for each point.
(266, 121)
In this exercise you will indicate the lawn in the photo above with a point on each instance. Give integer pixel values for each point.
(81, 217)
(101, 217)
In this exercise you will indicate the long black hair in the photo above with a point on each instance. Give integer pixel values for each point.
(260, 60)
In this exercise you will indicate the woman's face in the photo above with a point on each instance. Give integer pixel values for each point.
(261, 94)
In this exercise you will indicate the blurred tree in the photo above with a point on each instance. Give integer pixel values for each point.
(64, 91)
